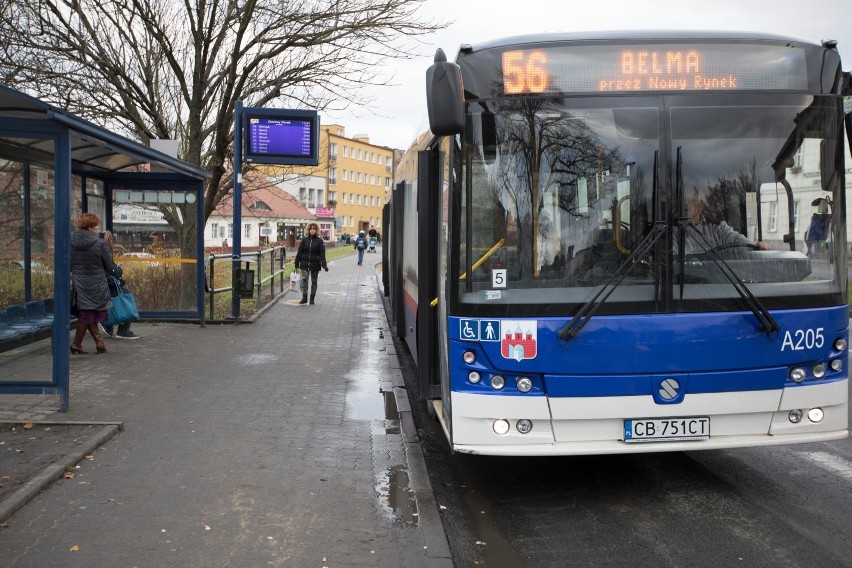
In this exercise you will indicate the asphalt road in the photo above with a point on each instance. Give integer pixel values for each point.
(787, 506)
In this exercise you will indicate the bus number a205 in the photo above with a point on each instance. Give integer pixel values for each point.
(801, 339)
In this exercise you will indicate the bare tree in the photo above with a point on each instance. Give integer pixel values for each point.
(174, 68)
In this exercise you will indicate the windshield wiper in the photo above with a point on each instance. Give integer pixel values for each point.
(588, 309)
(768, 324)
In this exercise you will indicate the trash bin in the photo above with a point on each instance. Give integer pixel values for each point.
(246, 282)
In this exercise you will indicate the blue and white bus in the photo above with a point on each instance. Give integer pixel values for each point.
(604, 244)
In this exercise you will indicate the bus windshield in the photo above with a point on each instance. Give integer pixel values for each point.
(556, 193)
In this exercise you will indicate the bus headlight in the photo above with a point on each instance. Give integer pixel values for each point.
(469, 357)
(524, 384)
(473, 377)
(840, 344)
(797, 375)
(795, 416)
(836, 364)
(816, 414)
(501, 426)
(818, 371)
(497, 382)
(524, 426)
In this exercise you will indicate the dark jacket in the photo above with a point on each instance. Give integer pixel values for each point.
(361, 242)
(90, 259)
(311, 254)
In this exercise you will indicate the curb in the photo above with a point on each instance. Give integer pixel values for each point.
(437, 548)
(53, 471)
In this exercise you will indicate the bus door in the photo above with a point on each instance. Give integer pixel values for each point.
(431, 324)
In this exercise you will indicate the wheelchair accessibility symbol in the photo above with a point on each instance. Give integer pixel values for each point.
(469, 330)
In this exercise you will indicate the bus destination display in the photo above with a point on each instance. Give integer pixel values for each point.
(653, 67)
(280, 137)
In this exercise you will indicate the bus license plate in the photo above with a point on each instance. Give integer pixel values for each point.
(667, 429)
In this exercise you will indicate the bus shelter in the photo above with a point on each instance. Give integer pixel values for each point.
(54, 166)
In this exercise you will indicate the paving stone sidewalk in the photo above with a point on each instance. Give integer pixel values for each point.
(273, 443)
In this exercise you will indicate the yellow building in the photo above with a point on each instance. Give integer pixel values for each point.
(358, 180)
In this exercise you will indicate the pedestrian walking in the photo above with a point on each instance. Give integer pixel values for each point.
(90, 259)
(361, 246)
(309, 259)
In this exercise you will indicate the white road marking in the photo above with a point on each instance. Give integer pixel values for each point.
(831, 463)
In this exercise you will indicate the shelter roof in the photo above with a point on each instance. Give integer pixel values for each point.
(92, 147)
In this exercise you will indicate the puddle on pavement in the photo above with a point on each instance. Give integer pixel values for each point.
(256, 358)
(396, 496)
(365, 400)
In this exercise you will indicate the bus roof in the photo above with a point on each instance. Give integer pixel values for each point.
(625, 35)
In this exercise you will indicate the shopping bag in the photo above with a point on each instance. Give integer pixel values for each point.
(294, 282)
(123, 308)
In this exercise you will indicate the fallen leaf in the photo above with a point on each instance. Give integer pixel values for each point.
(28, 426)
(207, 527)
(47, 428)
(68, 475)
(90, 457)
(75, 548)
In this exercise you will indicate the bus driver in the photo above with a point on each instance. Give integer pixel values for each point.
(720, 236)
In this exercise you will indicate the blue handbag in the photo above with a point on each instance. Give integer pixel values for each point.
(123, 308)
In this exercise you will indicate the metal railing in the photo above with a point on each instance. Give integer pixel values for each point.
(268, 266)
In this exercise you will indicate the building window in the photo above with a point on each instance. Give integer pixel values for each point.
(247, 233)
(351, 221)
(345, 152)
(343, 198)
(332, 150)
(230, 231)
(265, 230)
(359, 199)
(796, 216)
(214, 230)
(360, 177)
(773, 216)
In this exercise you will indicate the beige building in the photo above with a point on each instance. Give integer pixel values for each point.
(358, 180)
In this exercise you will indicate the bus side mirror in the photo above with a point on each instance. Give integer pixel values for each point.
(445, 97)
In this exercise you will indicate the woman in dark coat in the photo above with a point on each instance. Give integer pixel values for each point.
(309, 259)
(90, 258)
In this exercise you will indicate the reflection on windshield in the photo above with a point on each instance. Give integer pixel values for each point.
(571, 191)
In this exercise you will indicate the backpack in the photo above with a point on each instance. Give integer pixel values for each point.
(361, 244)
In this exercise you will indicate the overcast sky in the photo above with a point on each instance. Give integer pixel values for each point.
(400, 110)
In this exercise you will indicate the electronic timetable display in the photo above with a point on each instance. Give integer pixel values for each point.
(279, 136)
(653, 67)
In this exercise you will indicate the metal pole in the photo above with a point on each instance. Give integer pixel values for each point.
(238, 210)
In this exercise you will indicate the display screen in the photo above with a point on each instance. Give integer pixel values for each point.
(281, 137)
(653, 67)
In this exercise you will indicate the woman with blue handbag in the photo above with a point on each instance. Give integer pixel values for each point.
(114, 281)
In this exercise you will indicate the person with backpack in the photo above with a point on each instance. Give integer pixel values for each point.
(361, 246)
(309, 259)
